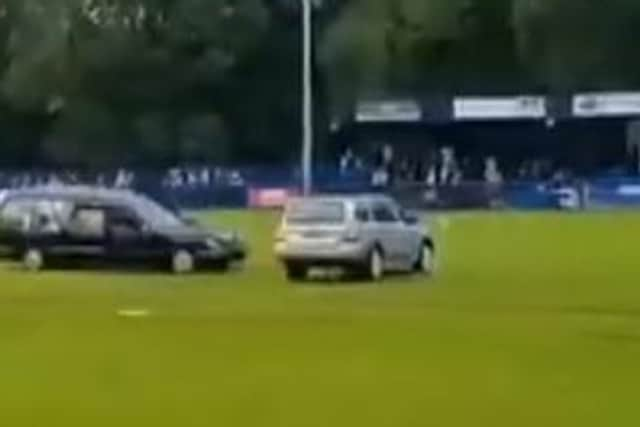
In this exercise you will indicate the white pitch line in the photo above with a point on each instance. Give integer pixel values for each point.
(134, 313)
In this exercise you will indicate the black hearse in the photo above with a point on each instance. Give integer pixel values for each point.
(76, 225)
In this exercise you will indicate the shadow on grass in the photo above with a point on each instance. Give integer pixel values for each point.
(119, 268)
(324, 279)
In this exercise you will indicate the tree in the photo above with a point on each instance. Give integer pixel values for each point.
(579, 44)
(123, 58)
(413, 47)
(86, 134)
(219, 80)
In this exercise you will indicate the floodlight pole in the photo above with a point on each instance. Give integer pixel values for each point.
(307, 99)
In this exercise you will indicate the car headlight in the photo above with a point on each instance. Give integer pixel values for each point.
(227, 237)
(213, 244)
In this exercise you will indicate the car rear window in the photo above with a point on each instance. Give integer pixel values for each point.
(25, 212)
(315, 212)
(16, 213)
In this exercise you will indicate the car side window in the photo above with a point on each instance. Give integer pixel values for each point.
(45, 217)
(123, 225)
(384, 213)
(88, 222)
(17, 213)
(50, 214)
(40, 215)
(61, 209)
(123, 218)
(362, 214)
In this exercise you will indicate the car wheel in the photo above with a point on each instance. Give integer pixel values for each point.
(296, 272)
(425, 263)
(33, 259)
(375, 265)
(182, 262)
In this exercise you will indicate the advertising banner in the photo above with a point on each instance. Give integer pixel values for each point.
(388, 112)
(500, 108)
(614, 104)
(269, 197)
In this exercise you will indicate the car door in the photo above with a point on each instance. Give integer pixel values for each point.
(388, 230)
(127, 239)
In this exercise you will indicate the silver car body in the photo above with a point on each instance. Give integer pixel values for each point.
(343, 231)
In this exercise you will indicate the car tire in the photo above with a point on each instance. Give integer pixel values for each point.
(182, 262)
(33, 260)
(425, 263)
(296, 272)
(374, 266)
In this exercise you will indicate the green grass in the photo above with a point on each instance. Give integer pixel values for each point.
(532, 320)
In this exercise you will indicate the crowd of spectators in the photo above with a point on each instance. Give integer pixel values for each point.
(193, 177)
(444, 167)
(386, 167)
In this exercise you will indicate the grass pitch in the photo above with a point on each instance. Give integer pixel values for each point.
(532, 320)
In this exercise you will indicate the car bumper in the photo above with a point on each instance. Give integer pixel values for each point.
(347, 254)
(237, 254)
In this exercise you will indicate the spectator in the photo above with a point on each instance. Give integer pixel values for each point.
(123, 179)
(176, 178)
(386, 161)
(192, 178)
(205, 177)
(218, 175)
(492, 174)
(448, 166)
(387, 154)
(54, 180)
(101, 180)
(380, 178)
(523, 171)
(493, 179)
(347, 161)
(420, 171)
(405, 171)
(432, 176)
(235, 179)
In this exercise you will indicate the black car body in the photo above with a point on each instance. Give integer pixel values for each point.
(43, 225)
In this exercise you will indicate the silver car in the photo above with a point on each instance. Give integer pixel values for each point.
(367, 235)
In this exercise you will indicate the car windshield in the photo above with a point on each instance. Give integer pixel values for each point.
(315, 212)
(157, 215)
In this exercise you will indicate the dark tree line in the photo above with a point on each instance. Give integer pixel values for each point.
(98, 83)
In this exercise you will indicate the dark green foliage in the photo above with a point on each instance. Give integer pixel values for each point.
(82, 77)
